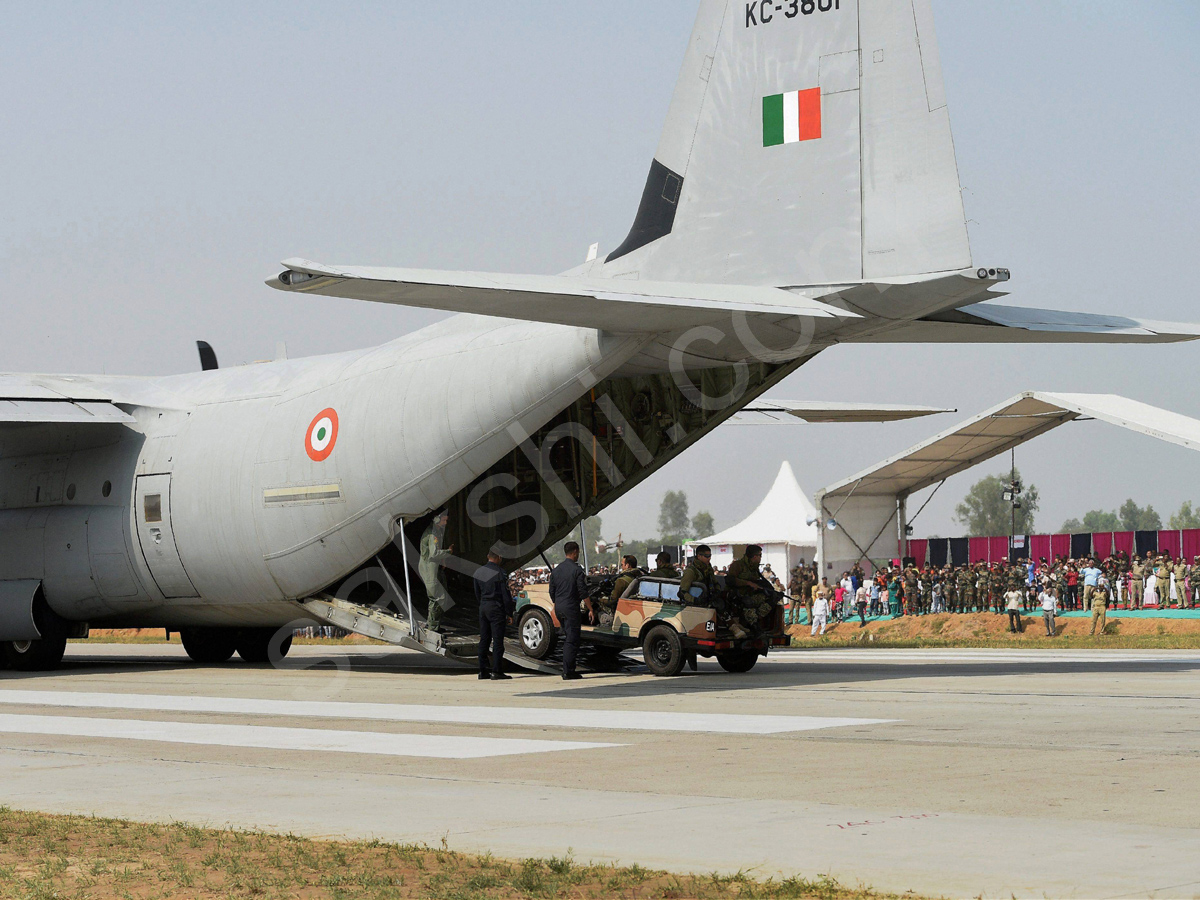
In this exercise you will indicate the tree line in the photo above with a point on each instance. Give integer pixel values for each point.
(985, 512)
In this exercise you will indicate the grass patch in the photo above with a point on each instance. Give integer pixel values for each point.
(43, 856)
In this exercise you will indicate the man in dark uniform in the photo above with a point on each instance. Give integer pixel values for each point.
(568, 591)
(496, 608)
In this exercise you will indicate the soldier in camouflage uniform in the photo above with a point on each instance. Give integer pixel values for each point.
(911, 591)
(796, 591)
(991, 586)
(970, 590)
(629, 574)
(755, 601)
(699, 576)
(665, 568)
(1112, 571)
(926, 592)
(960, 590)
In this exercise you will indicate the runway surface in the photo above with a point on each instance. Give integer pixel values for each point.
(964, 773)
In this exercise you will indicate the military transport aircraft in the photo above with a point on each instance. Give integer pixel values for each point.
(804, 194)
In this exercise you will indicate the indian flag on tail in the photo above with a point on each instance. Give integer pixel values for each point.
(791, 118)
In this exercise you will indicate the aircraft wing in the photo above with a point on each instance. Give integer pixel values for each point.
(622, 307)
(988, 323)
(789, 412)
(61, 412)
(42, 414)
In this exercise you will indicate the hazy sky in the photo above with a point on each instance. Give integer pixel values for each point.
(159, 160)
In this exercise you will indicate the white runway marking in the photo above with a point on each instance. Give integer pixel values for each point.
(267, 738)
(981, 655)
(605, 719)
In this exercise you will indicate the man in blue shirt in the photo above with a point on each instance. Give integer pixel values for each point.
(1091, 579)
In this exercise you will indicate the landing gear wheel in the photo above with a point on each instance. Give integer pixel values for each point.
(35, 656)
(538, 637)
(208, 645)
(663, 651)
(737, 661)
(257, 645)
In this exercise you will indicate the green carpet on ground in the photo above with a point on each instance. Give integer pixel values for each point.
(1037, 613)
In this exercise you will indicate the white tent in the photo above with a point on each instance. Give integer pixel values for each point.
(779, 525)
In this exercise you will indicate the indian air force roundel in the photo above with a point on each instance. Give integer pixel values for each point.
(322, 436)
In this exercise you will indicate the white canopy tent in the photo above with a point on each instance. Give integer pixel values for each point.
(871, 509)
(780, 525)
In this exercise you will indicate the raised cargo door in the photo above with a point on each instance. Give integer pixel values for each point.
(153, 499)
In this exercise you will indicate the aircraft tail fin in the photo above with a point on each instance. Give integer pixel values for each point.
(808, 142)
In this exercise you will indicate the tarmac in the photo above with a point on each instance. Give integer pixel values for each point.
(970, 773)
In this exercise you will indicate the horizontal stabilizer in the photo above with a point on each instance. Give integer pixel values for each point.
(622, 307)
(788, 412)
(988, 323)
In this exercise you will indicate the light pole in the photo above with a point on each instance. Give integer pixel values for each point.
(1012, 493)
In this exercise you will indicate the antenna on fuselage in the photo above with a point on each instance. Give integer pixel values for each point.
(208, 356)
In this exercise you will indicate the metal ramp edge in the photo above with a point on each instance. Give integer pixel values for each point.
(380, 625)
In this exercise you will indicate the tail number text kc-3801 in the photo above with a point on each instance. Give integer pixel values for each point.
(764, 12)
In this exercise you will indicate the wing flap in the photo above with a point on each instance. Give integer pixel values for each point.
(616, 306)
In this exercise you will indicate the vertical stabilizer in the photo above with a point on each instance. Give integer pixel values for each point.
(808, 142)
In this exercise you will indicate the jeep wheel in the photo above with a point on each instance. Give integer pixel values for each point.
(663, 651)
(35, 656)
(209, 645)
(538, 636)
(738, 660)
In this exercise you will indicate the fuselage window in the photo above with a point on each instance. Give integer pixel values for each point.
(154, 507)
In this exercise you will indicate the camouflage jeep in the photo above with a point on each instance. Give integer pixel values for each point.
(671, 632)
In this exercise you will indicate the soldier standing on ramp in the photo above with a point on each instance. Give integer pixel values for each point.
(432, 555)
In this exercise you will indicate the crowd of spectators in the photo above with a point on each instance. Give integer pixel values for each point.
(1155, 581)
